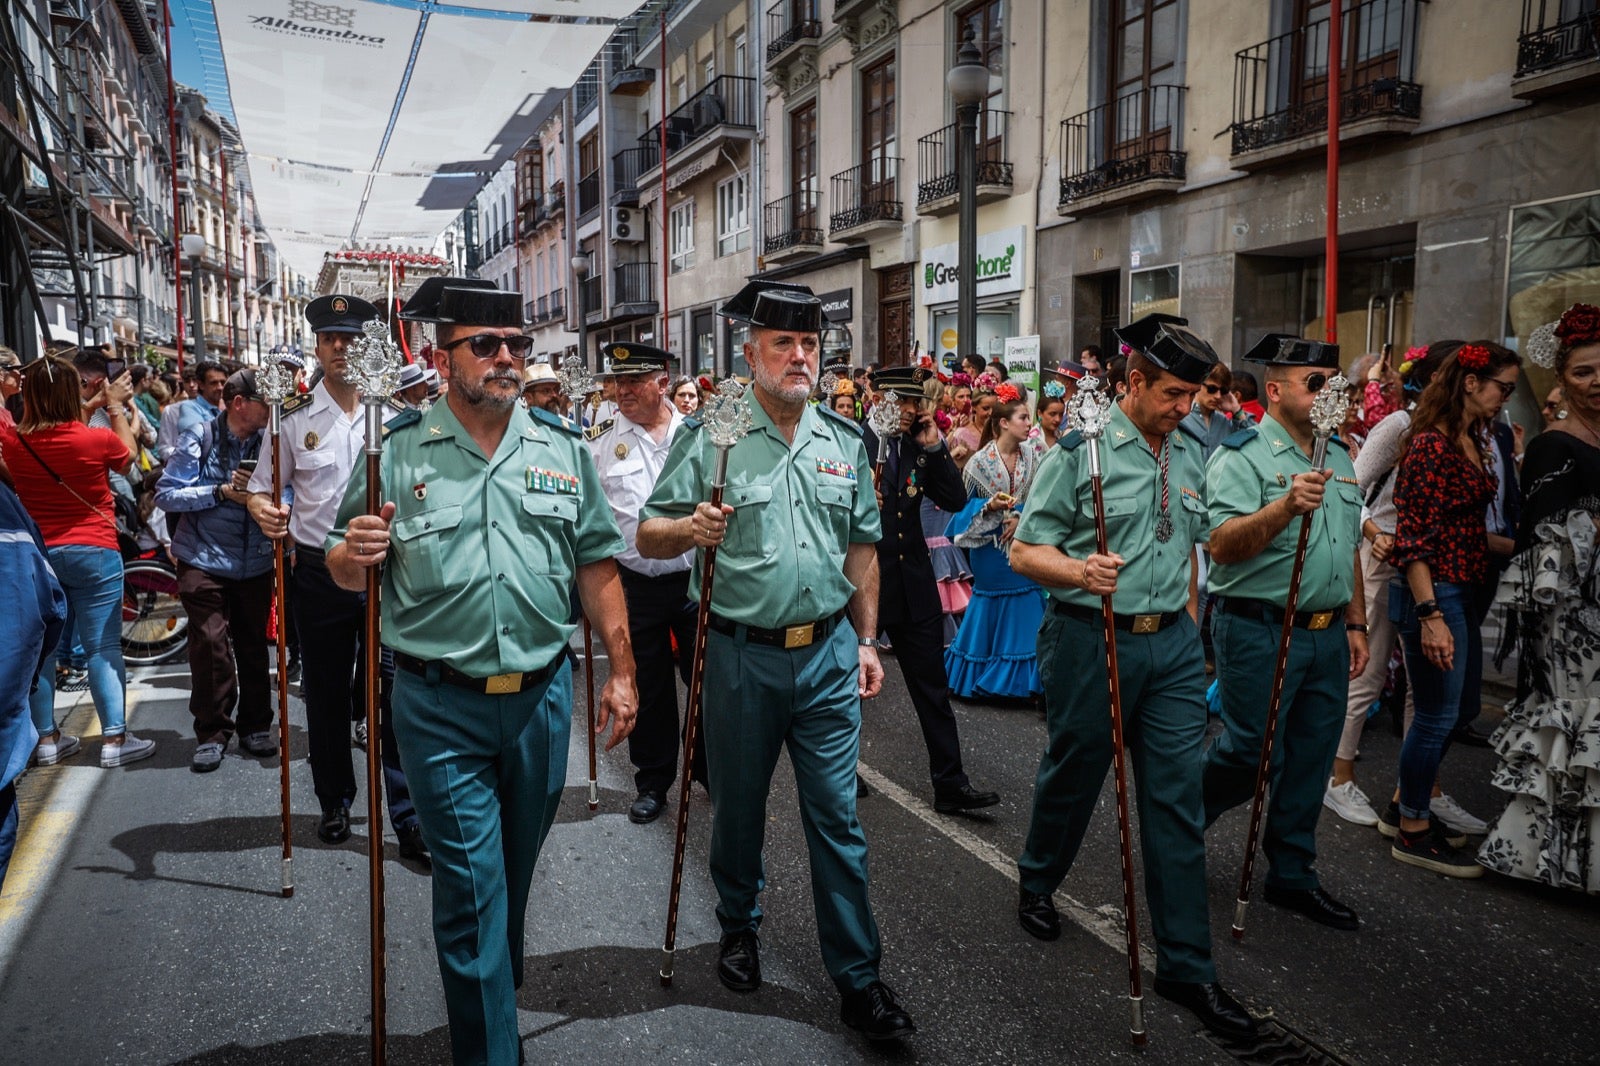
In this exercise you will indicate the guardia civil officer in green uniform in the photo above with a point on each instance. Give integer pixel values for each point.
(491, 513)
(1259, 483)
(789, 652)
(1155, 515)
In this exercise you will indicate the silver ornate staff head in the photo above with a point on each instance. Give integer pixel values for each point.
(1089, 409)
(274, 380)
(884, 419)
(575, 381)
(374, 363)
(827, 385)
(1332, 403)
(726, 415)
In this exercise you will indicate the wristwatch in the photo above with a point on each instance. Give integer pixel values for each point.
(867, 642)
(1355, 627)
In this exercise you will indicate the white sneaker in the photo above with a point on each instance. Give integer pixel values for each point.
(132, 749)
(1448, 811)
(49, 753)
(1350, 803)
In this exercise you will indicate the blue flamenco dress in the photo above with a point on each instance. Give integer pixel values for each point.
(994, 653)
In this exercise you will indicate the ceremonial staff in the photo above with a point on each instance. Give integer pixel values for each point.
(1327, 415)
(884, 421)
(275, 382)
(577, 384)
(1090, 409)
(727, 419)
(375, 370)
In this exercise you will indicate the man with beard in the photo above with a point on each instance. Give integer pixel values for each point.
(320, 444)
(491, 515)
(541, 388)
(785, 666)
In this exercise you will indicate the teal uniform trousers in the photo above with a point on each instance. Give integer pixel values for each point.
(486, 793)
(1310, 719)
(1164, 725)
(760, 699)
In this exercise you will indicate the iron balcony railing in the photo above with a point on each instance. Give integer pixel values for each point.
(727, 100)
(788, 23)
(588, 193)
(529, 312)
(591, 295)
(587, 89)
(626, 166)
(1548, 41)
(630, 283)
(937, 157)
(867, 192)
(1280, 86)
(792, 221)
(558, 304)
(1125, 141)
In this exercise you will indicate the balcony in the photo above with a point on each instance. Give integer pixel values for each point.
(591, 298)
(588, 194)
(725, 108)
(793, 27)
(937, 185)
(631, 290)
(1280, 87)
(793, 227)
(1553, 55)
(866, 201)
(548, 308)
(587, 90)
(551, 207)
(1125, 150)
(626, 166)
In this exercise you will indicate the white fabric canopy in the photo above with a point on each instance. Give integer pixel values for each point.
(373, 122)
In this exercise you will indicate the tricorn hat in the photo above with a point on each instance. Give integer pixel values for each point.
(469, 301)
(1166, 342)
(338, 313)
(903, 382)
(1285, 349)
(630, 358)
(776, 305)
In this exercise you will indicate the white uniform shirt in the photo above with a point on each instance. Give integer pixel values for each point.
(319, 447)
(630, 461)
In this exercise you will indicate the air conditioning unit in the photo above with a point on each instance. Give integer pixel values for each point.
(626, 224)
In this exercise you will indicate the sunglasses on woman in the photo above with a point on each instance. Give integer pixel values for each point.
(487, 345)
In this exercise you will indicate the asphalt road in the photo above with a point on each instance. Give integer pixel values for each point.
(142, 924)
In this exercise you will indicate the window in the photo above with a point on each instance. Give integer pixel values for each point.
(739, 50)
(680, 224)
(877, 125)
(803, 165)
(1142, 70)
(708, 71)
(986, 22)
(588, 155)
(733, 216)
(1152, 290)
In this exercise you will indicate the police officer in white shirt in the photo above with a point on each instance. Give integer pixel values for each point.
(629, 450)
(321, 442)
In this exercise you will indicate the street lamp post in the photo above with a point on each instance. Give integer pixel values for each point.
(580, 272)
(259, 324)
(968, 84)
(194, 247)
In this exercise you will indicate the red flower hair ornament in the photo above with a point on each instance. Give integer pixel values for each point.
(1579, 324)
(1007, 393)
(1473, 357)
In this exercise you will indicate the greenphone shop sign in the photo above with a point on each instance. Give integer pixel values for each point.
(1000, 267)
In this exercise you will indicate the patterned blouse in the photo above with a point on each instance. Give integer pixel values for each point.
(1440, 500)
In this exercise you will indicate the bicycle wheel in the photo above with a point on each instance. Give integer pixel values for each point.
(155, 627)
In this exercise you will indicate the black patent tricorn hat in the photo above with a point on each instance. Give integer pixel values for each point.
(424, 304)
(1285, 349)
(776, 305)
(1167, 342)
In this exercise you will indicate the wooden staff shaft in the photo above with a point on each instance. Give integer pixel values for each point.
(588, 673)
(280, 589)
(1119, 769)
(374, 742)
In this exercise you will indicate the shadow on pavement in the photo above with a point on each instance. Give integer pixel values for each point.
(575, 804)
(430, 1048)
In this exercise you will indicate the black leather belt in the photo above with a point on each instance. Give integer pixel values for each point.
(1272, 614)
(801, 635)
(310, 551)
(1141, 624)
(498, 685)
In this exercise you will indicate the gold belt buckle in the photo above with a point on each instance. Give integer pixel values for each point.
(503, 684)
(1146, 623)
(800, 636)
(1320, 620)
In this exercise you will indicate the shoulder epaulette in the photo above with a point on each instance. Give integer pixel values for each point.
(690, 422)
(1240, 439)
(596, 431)
(408, 416)
(1071, 440)
(395, 403)
(539, 414)
(854, 426)
(295, 403)
(1340, 441)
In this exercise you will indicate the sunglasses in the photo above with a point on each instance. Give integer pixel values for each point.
(1212, 390)
(1314, 382)
(487, 345)
(1506, 388)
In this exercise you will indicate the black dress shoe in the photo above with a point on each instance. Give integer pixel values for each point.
(647, 808)
(739, 966)
(1314, 904)
(1210, 1002)
(862, 791)
(413, 847)
(965, 798)
(334, 828)
(876, 1014)
(1038, 915)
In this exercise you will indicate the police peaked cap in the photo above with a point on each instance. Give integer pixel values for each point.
(1166, 342)
(338, 313)
(629, 358)
(464, 301)
(903, 382)
(1285, 349)
(776, 305)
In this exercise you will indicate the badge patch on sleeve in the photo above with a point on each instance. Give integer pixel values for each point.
(540, 480)
(836, 467)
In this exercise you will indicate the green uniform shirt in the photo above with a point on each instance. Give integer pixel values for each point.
(1254, 468)
(483, 554)
(1060, 513)
(796, 509)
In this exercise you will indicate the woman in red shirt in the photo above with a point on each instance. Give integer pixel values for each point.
(60, 467)
(1443, 487)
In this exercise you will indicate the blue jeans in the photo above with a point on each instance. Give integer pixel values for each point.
(1444, 698)
(92, 579)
